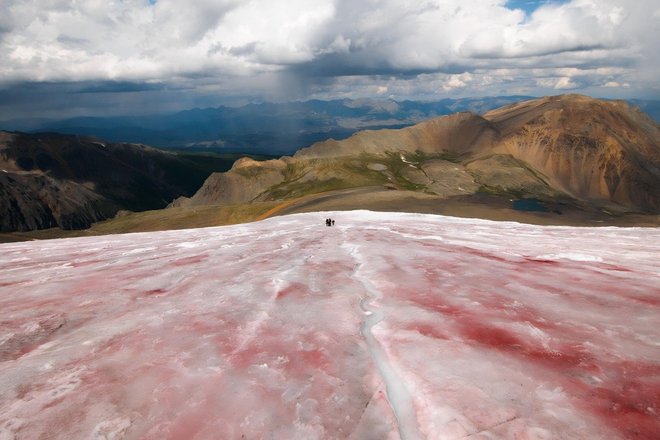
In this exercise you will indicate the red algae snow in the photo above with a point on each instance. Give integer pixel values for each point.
(384, 326)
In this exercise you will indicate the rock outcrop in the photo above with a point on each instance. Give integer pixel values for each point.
(243, 183)
(49, 180)
(30, 202)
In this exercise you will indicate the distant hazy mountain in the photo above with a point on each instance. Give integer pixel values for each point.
(270, 128)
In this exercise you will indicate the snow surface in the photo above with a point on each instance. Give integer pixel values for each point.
(384, 326)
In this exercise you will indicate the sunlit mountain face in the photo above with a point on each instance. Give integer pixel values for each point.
(381, 326)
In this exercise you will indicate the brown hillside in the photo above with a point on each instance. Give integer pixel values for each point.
(460, 133)
(30, 202)
(599, 152)
(243, 183)
(591, 149)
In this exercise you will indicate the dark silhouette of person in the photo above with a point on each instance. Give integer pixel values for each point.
(327, 222)
(333, 222)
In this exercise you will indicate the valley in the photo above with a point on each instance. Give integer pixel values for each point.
(559, 160)
(329, 220)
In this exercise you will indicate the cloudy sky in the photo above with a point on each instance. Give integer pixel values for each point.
(77, 57)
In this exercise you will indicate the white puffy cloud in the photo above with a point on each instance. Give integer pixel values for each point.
(616, 85)
(301, 47)
(566, 83)
(457, 81)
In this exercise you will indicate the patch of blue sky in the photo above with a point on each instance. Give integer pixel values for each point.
(530, 6)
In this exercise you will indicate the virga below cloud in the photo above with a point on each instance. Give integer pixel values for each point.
(301, 49)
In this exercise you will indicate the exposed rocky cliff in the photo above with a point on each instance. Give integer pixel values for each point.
(49, 180)
(31, 202)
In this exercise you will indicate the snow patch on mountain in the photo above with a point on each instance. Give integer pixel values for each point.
(384, 326)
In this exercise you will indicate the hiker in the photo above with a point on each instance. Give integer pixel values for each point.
(327, 222)
(333, 222)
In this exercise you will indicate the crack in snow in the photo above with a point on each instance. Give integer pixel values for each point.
(398, 395)
(496, 425)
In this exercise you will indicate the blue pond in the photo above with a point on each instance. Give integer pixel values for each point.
(529, 205)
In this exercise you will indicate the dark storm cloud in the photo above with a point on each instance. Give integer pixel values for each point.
(296, 48)
(359, 64)
(499, 54)
(61, 99)
(119, 87)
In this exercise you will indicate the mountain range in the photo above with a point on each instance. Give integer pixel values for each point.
(569, 148)
(552, 156)
(271, 128)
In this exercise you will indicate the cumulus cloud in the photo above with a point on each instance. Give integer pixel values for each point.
(566, 83)
(616, 85)
(457, 81)
(307, 47)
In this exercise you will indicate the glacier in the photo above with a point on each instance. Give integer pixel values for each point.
(384, 326)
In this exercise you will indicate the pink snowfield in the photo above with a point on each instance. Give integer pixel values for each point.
(384, 326)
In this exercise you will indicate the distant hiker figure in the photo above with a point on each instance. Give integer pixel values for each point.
(328, 222)
(333, 222)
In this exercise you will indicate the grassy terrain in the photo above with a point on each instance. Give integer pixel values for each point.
(321, 175)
